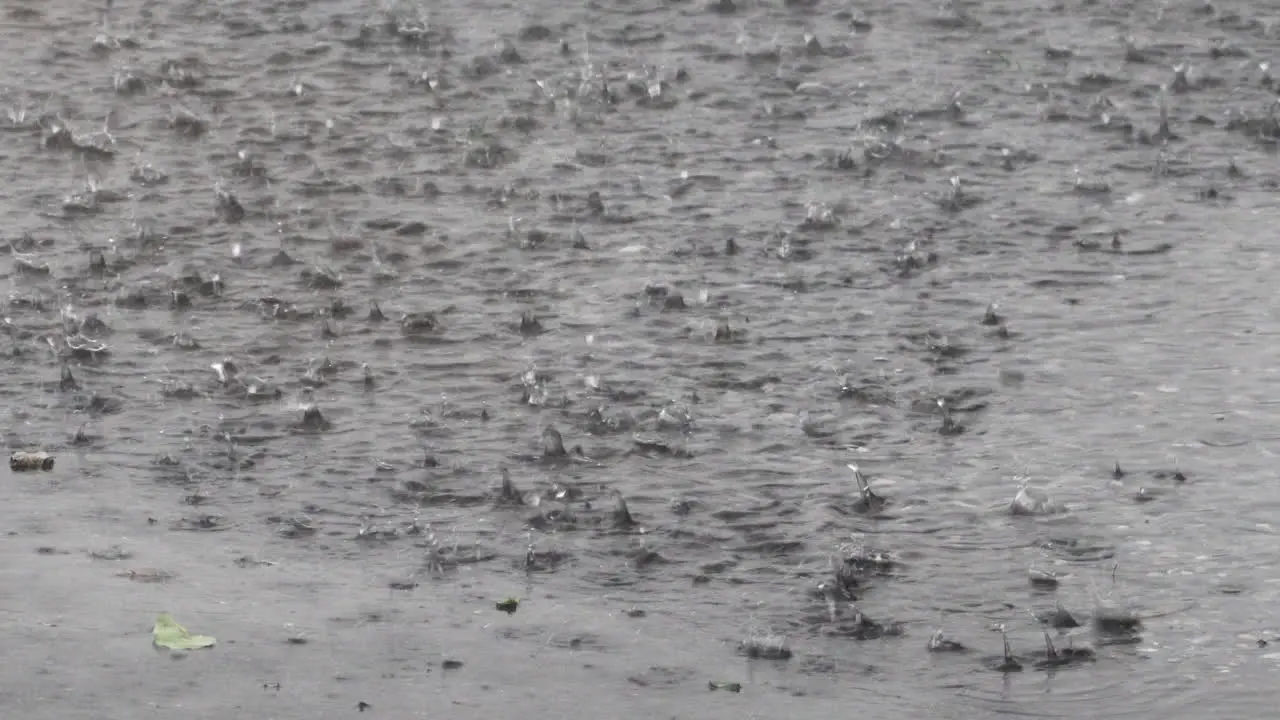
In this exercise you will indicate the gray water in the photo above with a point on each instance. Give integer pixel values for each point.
(447, 166)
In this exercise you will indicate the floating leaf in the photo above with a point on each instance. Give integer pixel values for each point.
(169, 634)
(27, 461)
(729, 686)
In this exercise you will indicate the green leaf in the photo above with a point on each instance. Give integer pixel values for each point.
(169, 634)
(730, 686)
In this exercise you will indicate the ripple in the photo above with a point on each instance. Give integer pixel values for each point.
(552, 194)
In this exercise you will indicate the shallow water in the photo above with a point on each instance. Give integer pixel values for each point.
(431, 173)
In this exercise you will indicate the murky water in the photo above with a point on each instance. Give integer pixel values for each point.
(585, 168)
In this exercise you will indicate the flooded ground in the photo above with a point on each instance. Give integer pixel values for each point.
(724, 251)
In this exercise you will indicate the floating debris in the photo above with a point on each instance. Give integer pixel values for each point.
(726, 686)
(169, 634)
(29, 461)
(509, 606)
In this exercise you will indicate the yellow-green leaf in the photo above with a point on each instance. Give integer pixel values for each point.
(169, 634)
